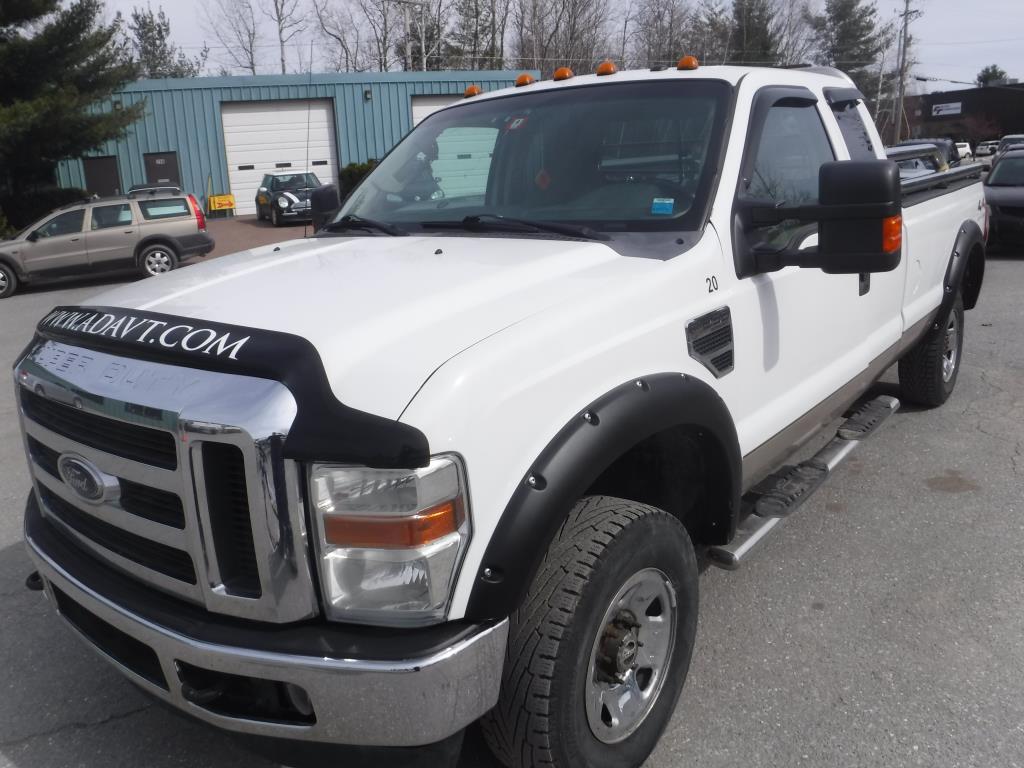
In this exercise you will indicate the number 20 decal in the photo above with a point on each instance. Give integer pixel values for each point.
(712, 283)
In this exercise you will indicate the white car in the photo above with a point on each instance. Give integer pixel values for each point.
(985, 148)
(964, 148)
(453, 458)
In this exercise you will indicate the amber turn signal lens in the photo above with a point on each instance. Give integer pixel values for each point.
(394, 532)
(892, 234)
(525, 79)
(688, 62)
(563, 73)
(472, 90)
(607, 67)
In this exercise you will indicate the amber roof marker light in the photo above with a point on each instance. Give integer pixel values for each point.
(562, 73)
(525, 79)
(472, 90)
(606, 67)
(688, 62)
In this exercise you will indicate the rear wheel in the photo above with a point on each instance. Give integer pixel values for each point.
(928, 372)
(8, 281)
(599, 650)
(157, 259)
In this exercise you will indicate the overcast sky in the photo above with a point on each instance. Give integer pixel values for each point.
(953, 39)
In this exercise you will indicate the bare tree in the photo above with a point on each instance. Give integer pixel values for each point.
(550, 33)
(288, 21)
(381, 19)
(234, 24)
(660, 31)
(793, 32)
(343, 34)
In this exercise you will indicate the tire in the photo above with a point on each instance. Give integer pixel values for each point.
(157, 259)
(572, 639)
(8, 281)
(928, 372)
(275, 219)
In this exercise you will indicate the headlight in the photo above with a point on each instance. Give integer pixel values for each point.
(390, 541)
(283, 201)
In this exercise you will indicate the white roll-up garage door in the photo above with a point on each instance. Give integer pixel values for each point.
(425, 105)
(264, 137)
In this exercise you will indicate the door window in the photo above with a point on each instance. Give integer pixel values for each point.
(784, 171)
(106, 216)
(65, 224)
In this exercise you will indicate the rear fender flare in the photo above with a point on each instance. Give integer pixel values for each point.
(967, 259)
(578, 454)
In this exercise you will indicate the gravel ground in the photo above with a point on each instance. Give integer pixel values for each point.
(882, 625)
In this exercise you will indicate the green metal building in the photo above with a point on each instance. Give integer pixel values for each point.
(219, 135)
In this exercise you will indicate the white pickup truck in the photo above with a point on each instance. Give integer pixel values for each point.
(456, 457)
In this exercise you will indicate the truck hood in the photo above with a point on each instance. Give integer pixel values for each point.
(384, 312)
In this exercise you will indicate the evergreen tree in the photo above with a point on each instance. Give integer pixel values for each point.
(851, 39)
(150, 39)
(989, 75)
(753, 40)
(57, 63)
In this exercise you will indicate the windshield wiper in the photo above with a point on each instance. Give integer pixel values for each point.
(350, 221)
(492, 221)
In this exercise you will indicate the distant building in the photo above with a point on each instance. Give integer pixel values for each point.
(218, 135)
(972, 114)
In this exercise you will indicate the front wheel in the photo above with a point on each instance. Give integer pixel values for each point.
(928, 372)
(275, 217)
(157, 260)
(8, 281)
(598, 652)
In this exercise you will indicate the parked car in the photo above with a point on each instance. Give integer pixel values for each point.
(285, 197)
(946, 146)
(986, 148)
(964, 149)
(151, 232)
(397, 484)
(1010, 141)
(916, 160)
(1004, 192)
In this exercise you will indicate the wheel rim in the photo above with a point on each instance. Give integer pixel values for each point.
(4, 282)
(949, 352)
(158, 262)
(630, 657)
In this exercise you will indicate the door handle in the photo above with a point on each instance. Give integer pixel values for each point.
(128, 231)
(75, 239)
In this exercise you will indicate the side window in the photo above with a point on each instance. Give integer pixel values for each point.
(66, 224)
(855, 132)
(106, 216)
(792, 148)
(165, 208)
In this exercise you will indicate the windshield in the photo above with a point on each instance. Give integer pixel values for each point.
(294, 181)
(1009, 172)
(1005, 144)
(638, 156)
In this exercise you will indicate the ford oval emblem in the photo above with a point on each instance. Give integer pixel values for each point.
(84, 478)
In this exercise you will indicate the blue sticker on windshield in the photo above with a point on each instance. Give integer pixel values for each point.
(663, 206)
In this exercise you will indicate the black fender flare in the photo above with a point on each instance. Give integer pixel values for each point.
(576, 457)
(970, 240)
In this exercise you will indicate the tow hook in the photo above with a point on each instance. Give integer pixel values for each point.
(203, 696)
(34, 582)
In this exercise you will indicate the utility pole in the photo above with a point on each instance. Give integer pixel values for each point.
(898, 112)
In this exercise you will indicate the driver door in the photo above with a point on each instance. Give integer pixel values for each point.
(58, 246)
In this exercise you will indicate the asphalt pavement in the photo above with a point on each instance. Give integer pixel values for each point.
(882, 625)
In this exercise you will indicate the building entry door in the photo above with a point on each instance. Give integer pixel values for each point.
(162, 169)
(102, 176)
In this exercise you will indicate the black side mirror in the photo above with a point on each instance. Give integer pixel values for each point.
(323, 202)
(32, 236)
(859, 217)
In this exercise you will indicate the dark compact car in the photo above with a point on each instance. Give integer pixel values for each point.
(285, 197)
(148, 230)
(1004, 193)
(946, 146)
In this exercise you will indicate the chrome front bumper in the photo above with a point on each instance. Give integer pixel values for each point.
(406, 703)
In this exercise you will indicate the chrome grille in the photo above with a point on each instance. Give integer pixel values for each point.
(201, 503)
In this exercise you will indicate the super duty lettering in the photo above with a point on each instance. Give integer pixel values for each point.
(454, 458)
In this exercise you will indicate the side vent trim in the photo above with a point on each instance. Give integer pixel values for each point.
(709, 341)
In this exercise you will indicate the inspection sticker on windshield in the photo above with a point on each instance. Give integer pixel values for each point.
(516, 123)
(663, 206)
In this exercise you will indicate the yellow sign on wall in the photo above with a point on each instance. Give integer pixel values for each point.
(222, 202)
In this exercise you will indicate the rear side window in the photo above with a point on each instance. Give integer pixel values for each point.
(855, 132)
(167, 208)
(105, 216)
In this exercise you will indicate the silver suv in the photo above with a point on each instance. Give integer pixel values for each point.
(150, 231)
